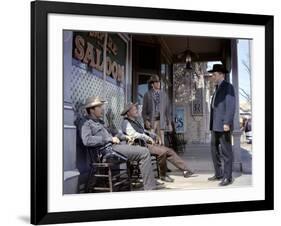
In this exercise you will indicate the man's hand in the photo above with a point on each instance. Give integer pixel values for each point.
(147, 124)
(150, 141)
(226, 127)
(158, 140)
(115, 140)
(130, 139)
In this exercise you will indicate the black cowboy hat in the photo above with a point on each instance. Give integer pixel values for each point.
(218, 68)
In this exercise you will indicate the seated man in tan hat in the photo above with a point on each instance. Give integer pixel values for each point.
(95, 134)
(132, 127)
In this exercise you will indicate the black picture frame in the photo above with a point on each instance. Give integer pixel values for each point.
(39, 112)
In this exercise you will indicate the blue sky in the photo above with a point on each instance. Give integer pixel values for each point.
(243, 56)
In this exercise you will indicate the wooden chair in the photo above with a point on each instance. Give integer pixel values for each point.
(106, 176)
(134, 165)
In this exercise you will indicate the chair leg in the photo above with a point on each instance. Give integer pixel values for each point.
(110, 174)
(110, 179)
(129, 175)
(157, 168)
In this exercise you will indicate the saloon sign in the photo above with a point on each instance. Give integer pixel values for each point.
(88, 49)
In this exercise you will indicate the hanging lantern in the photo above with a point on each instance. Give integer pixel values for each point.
(187, 56)
(188, 61)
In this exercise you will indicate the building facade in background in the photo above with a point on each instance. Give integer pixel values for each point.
(117, 66)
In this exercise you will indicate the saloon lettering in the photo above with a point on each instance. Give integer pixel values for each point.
(92, 56)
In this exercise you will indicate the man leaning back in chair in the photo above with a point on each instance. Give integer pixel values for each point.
(133, 128)
(94, 133)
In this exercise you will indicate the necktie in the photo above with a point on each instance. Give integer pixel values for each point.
(214, 96)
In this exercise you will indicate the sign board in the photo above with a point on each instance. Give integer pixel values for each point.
(88, 48)
(180, 119)
(197, 103)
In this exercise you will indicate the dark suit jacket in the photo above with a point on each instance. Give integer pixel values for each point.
(224, 107)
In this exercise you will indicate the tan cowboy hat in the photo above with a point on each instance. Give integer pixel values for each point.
(128, 108)
(94, 101)
(154, 78)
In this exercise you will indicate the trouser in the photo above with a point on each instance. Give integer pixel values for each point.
(164, 153)
(160, 132)
(223, 139)
(142, 155)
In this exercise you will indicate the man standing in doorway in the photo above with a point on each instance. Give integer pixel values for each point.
(156, 111)
(221, 125)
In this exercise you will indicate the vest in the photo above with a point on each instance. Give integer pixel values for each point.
(136, 125)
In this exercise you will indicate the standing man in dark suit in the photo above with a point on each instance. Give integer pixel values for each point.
(221, 125)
